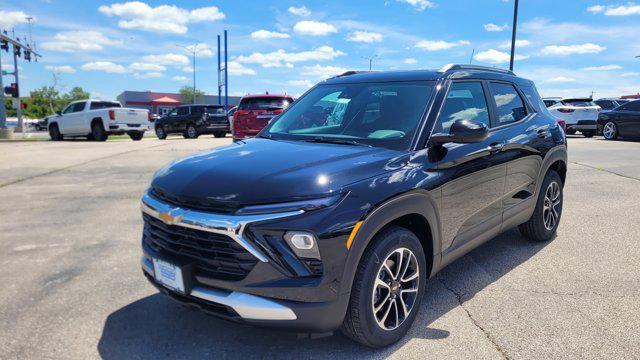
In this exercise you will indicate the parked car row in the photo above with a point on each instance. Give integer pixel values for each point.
(611, 117)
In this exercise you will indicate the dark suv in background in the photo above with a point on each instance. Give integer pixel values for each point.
(340, 210)
(254, 113)
(194, 120)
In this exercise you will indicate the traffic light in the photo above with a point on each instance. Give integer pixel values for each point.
(17, 50)
(27, 55)
(12, 90)
(4, 45)
(23, 106)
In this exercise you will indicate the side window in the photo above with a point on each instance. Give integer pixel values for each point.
(77, 107)
(174, 112)
(508, 102)
(631, 106)
(68, 109)
(465, 101)
(183, 110)
(196, 110)
(606, 104)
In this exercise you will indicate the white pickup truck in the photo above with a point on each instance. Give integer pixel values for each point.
(97, 119)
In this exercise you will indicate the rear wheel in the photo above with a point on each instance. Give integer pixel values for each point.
(136, 136)
(160, 133)
(97, 132)
(588, 133)
(610, 131)
(387, 290)
(219, 134)
(191, 132)
(544, 222)
(54, 132)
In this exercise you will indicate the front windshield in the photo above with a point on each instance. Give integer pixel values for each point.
(376, 114)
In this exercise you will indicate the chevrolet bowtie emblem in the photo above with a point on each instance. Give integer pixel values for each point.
(172, 217)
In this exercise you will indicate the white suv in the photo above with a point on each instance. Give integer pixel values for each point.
(580, 114)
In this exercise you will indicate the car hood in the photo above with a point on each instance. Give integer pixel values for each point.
(260, 171)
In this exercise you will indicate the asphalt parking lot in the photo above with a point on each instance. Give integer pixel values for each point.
(72, 285)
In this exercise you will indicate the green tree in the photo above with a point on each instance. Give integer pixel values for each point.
(77, 93)
(43, 102)
(187, 94)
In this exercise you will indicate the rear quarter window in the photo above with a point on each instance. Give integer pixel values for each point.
(104, 105)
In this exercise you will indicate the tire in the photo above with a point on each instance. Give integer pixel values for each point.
(136, 135)
(54, 133)
(544, 222)
(571, 132)
(588, 134)
(361, 323)
(610, 131)
(219, 134)
(97, 132)
(191, 132)
(160, 133)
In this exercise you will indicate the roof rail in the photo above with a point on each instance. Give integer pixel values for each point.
(453, 67)
(351, 72)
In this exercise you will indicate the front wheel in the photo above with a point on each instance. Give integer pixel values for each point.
(544, 222)
(588, 134)
(387, 290)
(54, 133)
(610, 131)
(136, 136)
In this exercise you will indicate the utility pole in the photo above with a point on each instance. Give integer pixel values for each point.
(16, 51)
(31, 44)
(513, 34)
(219, 91)
(193, 49)
(3, 112)
(226, 72)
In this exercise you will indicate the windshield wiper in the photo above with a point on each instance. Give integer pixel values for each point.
(322, 139)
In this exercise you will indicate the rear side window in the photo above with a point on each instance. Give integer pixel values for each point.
(104, 105)
(183, 110)
(211, 110)
(256, 103)
(508, 102)
(549, 103)
(631, 106)
(534, 98)
(196, 110)
(606, 104)
(465, 101)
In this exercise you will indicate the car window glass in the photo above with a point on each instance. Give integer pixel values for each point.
(174, 112)
(631, 106)
(77, 107)
(183, 110)
(266, 103)
(95, 105)
(508, 102)
(196, 110)
(606, 104)
(68, 109)
(465, 101)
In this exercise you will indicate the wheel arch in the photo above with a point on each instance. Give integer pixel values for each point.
(415, 211)
(97, 120)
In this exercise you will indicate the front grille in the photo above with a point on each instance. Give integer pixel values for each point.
(194, 203)
(214, 255)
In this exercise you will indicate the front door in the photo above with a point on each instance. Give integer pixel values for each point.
(471, 208)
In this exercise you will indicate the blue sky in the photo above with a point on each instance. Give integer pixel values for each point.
(569, 48)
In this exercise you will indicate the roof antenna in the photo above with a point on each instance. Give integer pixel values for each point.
(471, 58)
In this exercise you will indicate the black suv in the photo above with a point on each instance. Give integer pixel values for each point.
(343, 207)
(194, 120)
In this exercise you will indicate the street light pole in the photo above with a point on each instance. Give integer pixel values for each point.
(513, 34)
(193, 50)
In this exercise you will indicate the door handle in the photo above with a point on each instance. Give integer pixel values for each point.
(496, 147)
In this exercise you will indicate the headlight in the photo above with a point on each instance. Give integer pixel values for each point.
(305, 205)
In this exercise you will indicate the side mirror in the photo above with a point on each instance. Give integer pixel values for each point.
(462, 132)
(59, 113)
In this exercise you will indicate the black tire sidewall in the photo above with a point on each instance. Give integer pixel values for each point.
(98, 133)
(551, 176)
(195, 132)
(160, 133)
(397, 238)
(54, 133)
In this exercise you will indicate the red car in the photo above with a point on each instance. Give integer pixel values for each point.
(255, 112)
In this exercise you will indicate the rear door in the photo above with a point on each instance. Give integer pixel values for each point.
(169, 122)
(471, 208)
(182, 118)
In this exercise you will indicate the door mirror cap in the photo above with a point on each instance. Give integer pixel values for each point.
(462, 132)
(59, 113)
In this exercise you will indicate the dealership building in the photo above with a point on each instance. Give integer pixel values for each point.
(162, 103)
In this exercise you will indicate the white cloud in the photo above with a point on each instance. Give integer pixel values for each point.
(235, 68)
(180, 78)
(430, 45)
(62, 69)
(299, 11)
(148, 75)
(166, 59)
(314, 28)
(282, 58)
(494, 56)
(419, 5)
(559, 79)
(202, 50)
(616, 10)
(79, 41)
(365, 37)
(163, 19)
(104, 66)
(519, 44)
(323, 72)
(563, 50)
(139, 66)
(266, 34)
(491, 27)
(187, 69)
(410, 61)
(630, 74)
(305, 84)
(602, 68)
(9, 19)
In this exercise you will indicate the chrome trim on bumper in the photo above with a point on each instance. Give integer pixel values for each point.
(248, 306)
(232, 226)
